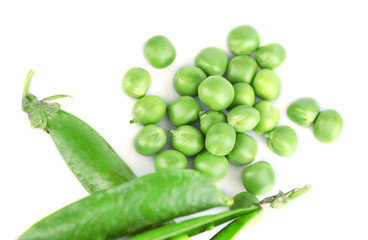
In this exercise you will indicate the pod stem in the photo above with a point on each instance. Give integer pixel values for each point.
(27, 83)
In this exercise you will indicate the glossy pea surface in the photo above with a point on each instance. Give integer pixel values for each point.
(241, 69)
(244, 151)
(269, 116)
(303, 111)
(243, 118)
(212, 60)
(187, 79)
(258, 178)
(183, 110)
(243, 40)
(267, 85)
(148, 110)
(187, 139)
(169, 160)
(244, 200)
(243, 95)
(159, 51)
(150, 140)
(215, 167)
(282, 140)
(328, 126)
(220, 139)
(210, 117)
(271, 55)
(136, 82)
(216, 92)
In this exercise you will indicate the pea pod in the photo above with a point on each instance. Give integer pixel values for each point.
(141, 202)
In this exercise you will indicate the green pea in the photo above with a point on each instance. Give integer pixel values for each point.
(258, 178)
(269, 116)
(136, 82)
(244, 151)
(212, 60)
(170, 159)
(243, 95)
(243, 40)
(282, 140)
(220, 139)
(150, 140)
(183, 110)
(243, 118)
(210, 117)
(216, 92)
(244, 200)
(303, 111)
(148, 110)
(328, 126)
(215, 167)
(267, 84)
(187, 139)
(271, 55)
(187, 80)
(241, 69)
(159, 51)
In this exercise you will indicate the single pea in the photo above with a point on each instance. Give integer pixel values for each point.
(220, 139)
(212, 60)
(241, 69)
(215, 167)
(183, 110)
(243, 95)
(243, 118)
(210, 117)
(159, 51)
(187, 80)
(187, 139)
(148, 110)
(270, 56)
(170, 159)
(244, 151)
(136, 82)
(282, 140)
(216, 92)
(328, 126)
(303, 111)
(243, 40)
(150, 140)
(258, 178)
(269, 116)
(244, 200)
(267, 84)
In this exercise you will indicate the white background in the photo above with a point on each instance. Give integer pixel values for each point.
(83, 48)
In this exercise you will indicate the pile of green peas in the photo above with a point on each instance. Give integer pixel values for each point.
(237, 94)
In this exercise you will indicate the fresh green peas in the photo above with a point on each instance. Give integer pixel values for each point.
(148, 110)
(220, 139)
(243, 95)
(170, 159)
(136, 82)
(159, 51)
(183, 110)
(243, 40)
(212, 60)
(150, 140)
(303, 111)
(241, 69)
(328, 126)
(187, 80)
(244, 151)
(271, 55)
(258, 178)
(244, 200)
(267, 84)
(210, 117)
(187, 139)
(215, 167)
(269, 116)
(243, 118)
(216, 92)
(282, 140)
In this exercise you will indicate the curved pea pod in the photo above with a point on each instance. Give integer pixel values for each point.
(303, 111)
(136, 82)
(118, 211)
(328, 126)
(282, 140)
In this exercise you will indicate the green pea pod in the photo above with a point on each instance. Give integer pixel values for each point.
(141, 202)
(92, 160)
